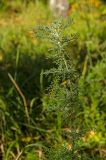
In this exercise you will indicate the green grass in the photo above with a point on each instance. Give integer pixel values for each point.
(27, 129)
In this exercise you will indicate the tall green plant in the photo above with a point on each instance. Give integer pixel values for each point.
(62, 94)
(61, 97)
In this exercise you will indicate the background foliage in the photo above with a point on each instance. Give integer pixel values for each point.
(27, 127)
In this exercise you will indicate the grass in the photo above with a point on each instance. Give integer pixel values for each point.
(25, 126)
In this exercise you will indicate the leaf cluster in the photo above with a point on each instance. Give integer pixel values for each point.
(62, 93)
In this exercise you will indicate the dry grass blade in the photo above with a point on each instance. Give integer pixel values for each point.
(22, 96)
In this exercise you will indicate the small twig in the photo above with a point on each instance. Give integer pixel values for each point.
(19, 155)
(21, 94)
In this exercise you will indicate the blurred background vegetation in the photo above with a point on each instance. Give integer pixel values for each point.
(25, 57)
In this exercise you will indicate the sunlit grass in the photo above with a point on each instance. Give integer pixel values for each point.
(24, 57)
